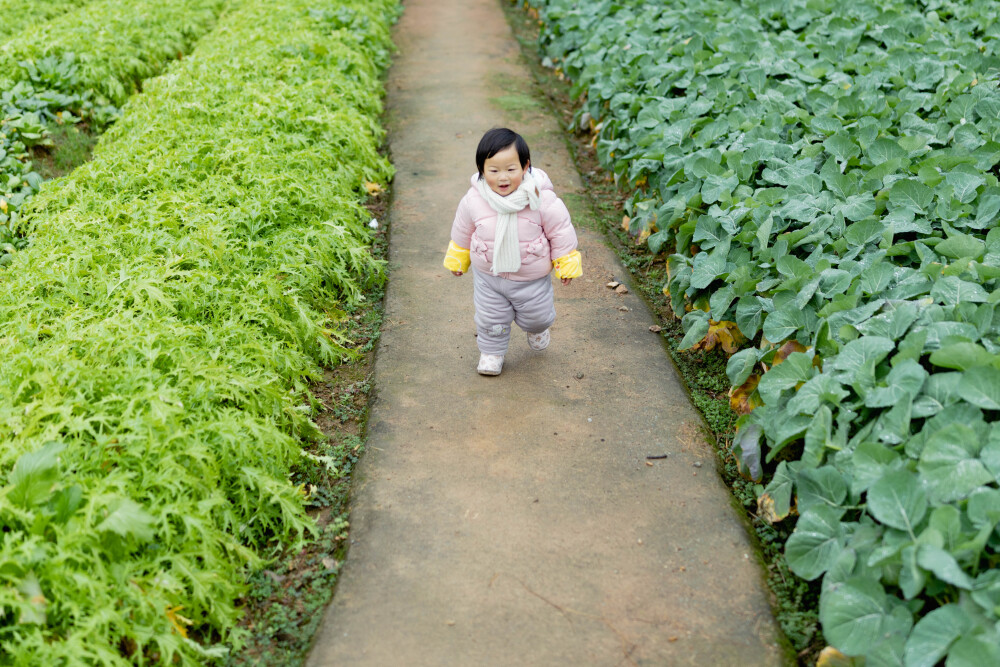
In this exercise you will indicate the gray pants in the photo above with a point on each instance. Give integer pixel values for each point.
(530, 305)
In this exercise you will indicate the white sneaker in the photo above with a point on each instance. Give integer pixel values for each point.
(539, 341)
(490, 364)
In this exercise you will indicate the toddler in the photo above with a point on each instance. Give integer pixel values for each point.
(513, 229)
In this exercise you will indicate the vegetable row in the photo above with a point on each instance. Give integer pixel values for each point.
(63, 61)
(823, 177)
(18, 14)
(160, 333)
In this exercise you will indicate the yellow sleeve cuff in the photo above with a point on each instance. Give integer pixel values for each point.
(568, 266)
(457, 259)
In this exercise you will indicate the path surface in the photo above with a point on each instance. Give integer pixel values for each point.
(513, 520)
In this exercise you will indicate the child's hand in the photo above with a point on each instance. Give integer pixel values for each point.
(456, 273)
(566, 281)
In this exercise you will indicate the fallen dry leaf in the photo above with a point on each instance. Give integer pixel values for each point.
(621, 289)
(655, 329)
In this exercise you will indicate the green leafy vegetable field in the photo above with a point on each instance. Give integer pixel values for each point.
(823, 177)
(18, 14)
(80, 64)
(158, 336)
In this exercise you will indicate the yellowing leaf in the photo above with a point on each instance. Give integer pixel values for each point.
(766, 511)
(373, 188)
(831, 657)
(625, 222)
(744, 399)
(724, 334)
(3, 205)
(786, 351)
(177, 621)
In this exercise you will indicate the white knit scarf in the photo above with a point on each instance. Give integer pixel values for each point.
(506, 247)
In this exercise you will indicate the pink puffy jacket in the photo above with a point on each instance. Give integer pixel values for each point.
(544, 235)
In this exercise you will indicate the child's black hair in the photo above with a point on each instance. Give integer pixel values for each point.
(495, 141)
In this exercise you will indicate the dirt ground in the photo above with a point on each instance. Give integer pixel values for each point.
(519, 519)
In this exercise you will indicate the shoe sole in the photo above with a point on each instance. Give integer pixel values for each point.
(488, 372)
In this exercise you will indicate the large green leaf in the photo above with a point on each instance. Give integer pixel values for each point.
(709, 266)
(975, 651)
(823, 487)
(870, 461)
(741, 365)
(961, 245)
(912, 577)
(883, 150)
(816, 543)
(877, 278)
(857, 360)
(857, 207)
(990, 454)
(983, 508)
(749, 315)
(981, 387)
(934, 634)
(940, 391)
(782, 324)
(952, 290)
(893, 426)
(964, 180)
(905, 380)
(949, 464)
(746, 446)
(962, 356)
(820, 389)
(696, 324)
(898, 500)
(943, 565)
(798, 367)
(853, 614)
(911, 194)
(842, 147)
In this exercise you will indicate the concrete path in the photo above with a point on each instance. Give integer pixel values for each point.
(514, 520)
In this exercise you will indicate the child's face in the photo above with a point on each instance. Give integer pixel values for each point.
(503, 172)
